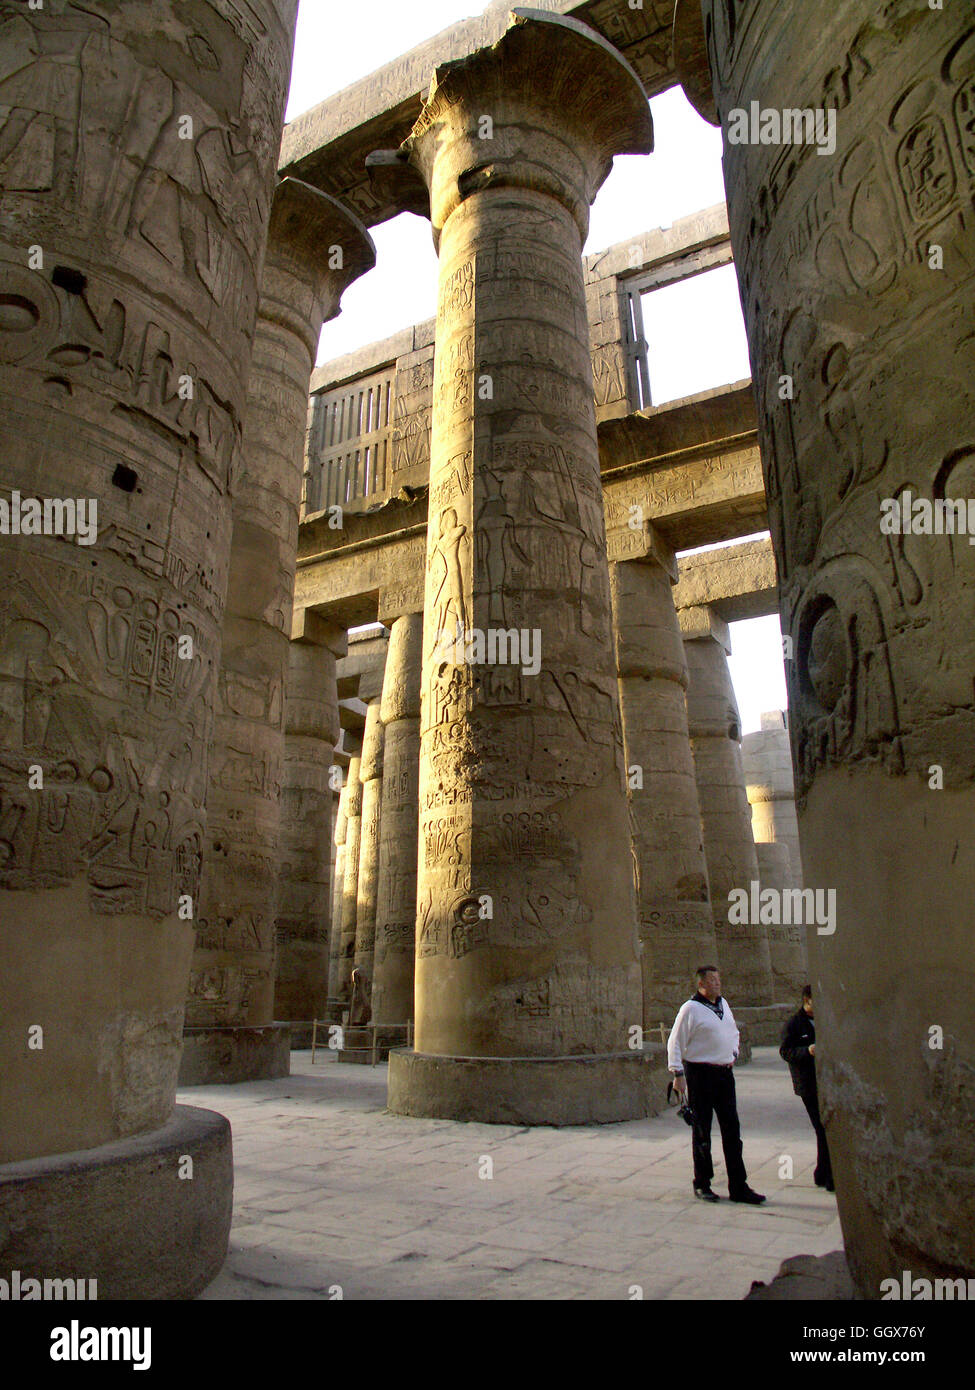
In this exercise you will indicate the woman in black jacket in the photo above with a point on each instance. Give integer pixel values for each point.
(798, 1048)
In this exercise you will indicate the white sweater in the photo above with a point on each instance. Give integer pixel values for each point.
(698, 1035)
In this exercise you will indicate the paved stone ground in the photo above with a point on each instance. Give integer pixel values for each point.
(331, 1190)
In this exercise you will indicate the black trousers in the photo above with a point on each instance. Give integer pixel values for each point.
(711, 1091)
(823, 1172)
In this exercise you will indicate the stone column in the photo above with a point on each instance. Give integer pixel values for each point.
(302, 925)
(230, 1029)
(338, 894)
(527, 972)
(676, 924)
(371, 777)
(786, 941)
(715, 730)
(767, 762)
(856, 276)
(392, 990)
(134, 210)
(350, 880)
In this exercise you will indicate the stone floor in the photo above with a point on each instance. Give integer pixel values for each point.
(334, 1194)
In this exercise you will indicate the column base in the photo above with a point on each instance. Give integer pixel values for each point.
(765, 1022)
(529, 1090)
(121, 1214)
(359, 1044)
(222, 1056)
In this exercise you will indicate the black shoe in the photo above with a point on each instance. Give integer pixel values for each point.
(706, 1195)
(753, 1199)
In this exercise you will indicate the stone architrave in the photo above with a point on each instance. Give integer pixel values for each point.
(135, 200)
(676, 923)
(715, 729)
(338, 893)
(371, 777)
(527, 971)
(870, 313)
(766, 757)
(315, 250)
(350, 880)
(392, 989)
(304, 900)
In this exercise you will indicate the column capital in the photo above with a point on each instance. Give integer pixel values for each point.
(317, 631)
(701, 621)
(691, 59)
(316, 248)
(546, 107)
(642, 546)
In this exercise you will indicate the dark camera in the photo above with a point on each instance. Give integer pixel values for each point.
(683, 1110)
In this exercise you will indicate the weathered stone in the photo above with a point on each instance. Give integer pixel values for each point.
(371, 777)
(302, 925)
(585, 1090)
(676, 925)
(870, 317)
(736, 582)
(350, 881)
(338, 893)
(129, 276)
(328, 144)
(715, 730)
(526, 940)
(232, 981)
(215, 1056)
(392, 990)
(119, 1213)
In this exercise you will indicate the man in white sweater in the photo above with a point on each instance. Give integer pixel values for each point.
(701, 1052)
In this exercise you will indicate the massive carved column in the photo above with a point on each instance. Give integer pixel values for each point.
(350, 879)
(134, 212)
(715, 730)
(338, 893)
(371, 777)
(303, 919)
(392, 989)
(527, 977)
(230, 1032)
(676, 926)
(767, 762)
(858, 283)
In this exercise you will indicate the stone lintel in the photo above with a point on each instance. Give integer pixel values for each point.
(703, 622)
(725, 415)
(661, 245)
(698, 498)
(736, 582)
(374, 568)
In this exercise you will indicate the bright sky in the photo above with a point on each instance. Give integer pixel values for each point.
(695, 329)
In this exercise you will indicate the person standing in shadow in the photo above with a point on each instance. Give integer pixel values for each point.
(798, 1048)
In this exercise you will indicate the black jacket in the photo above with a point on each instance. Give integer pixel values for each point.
(797, 1035)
